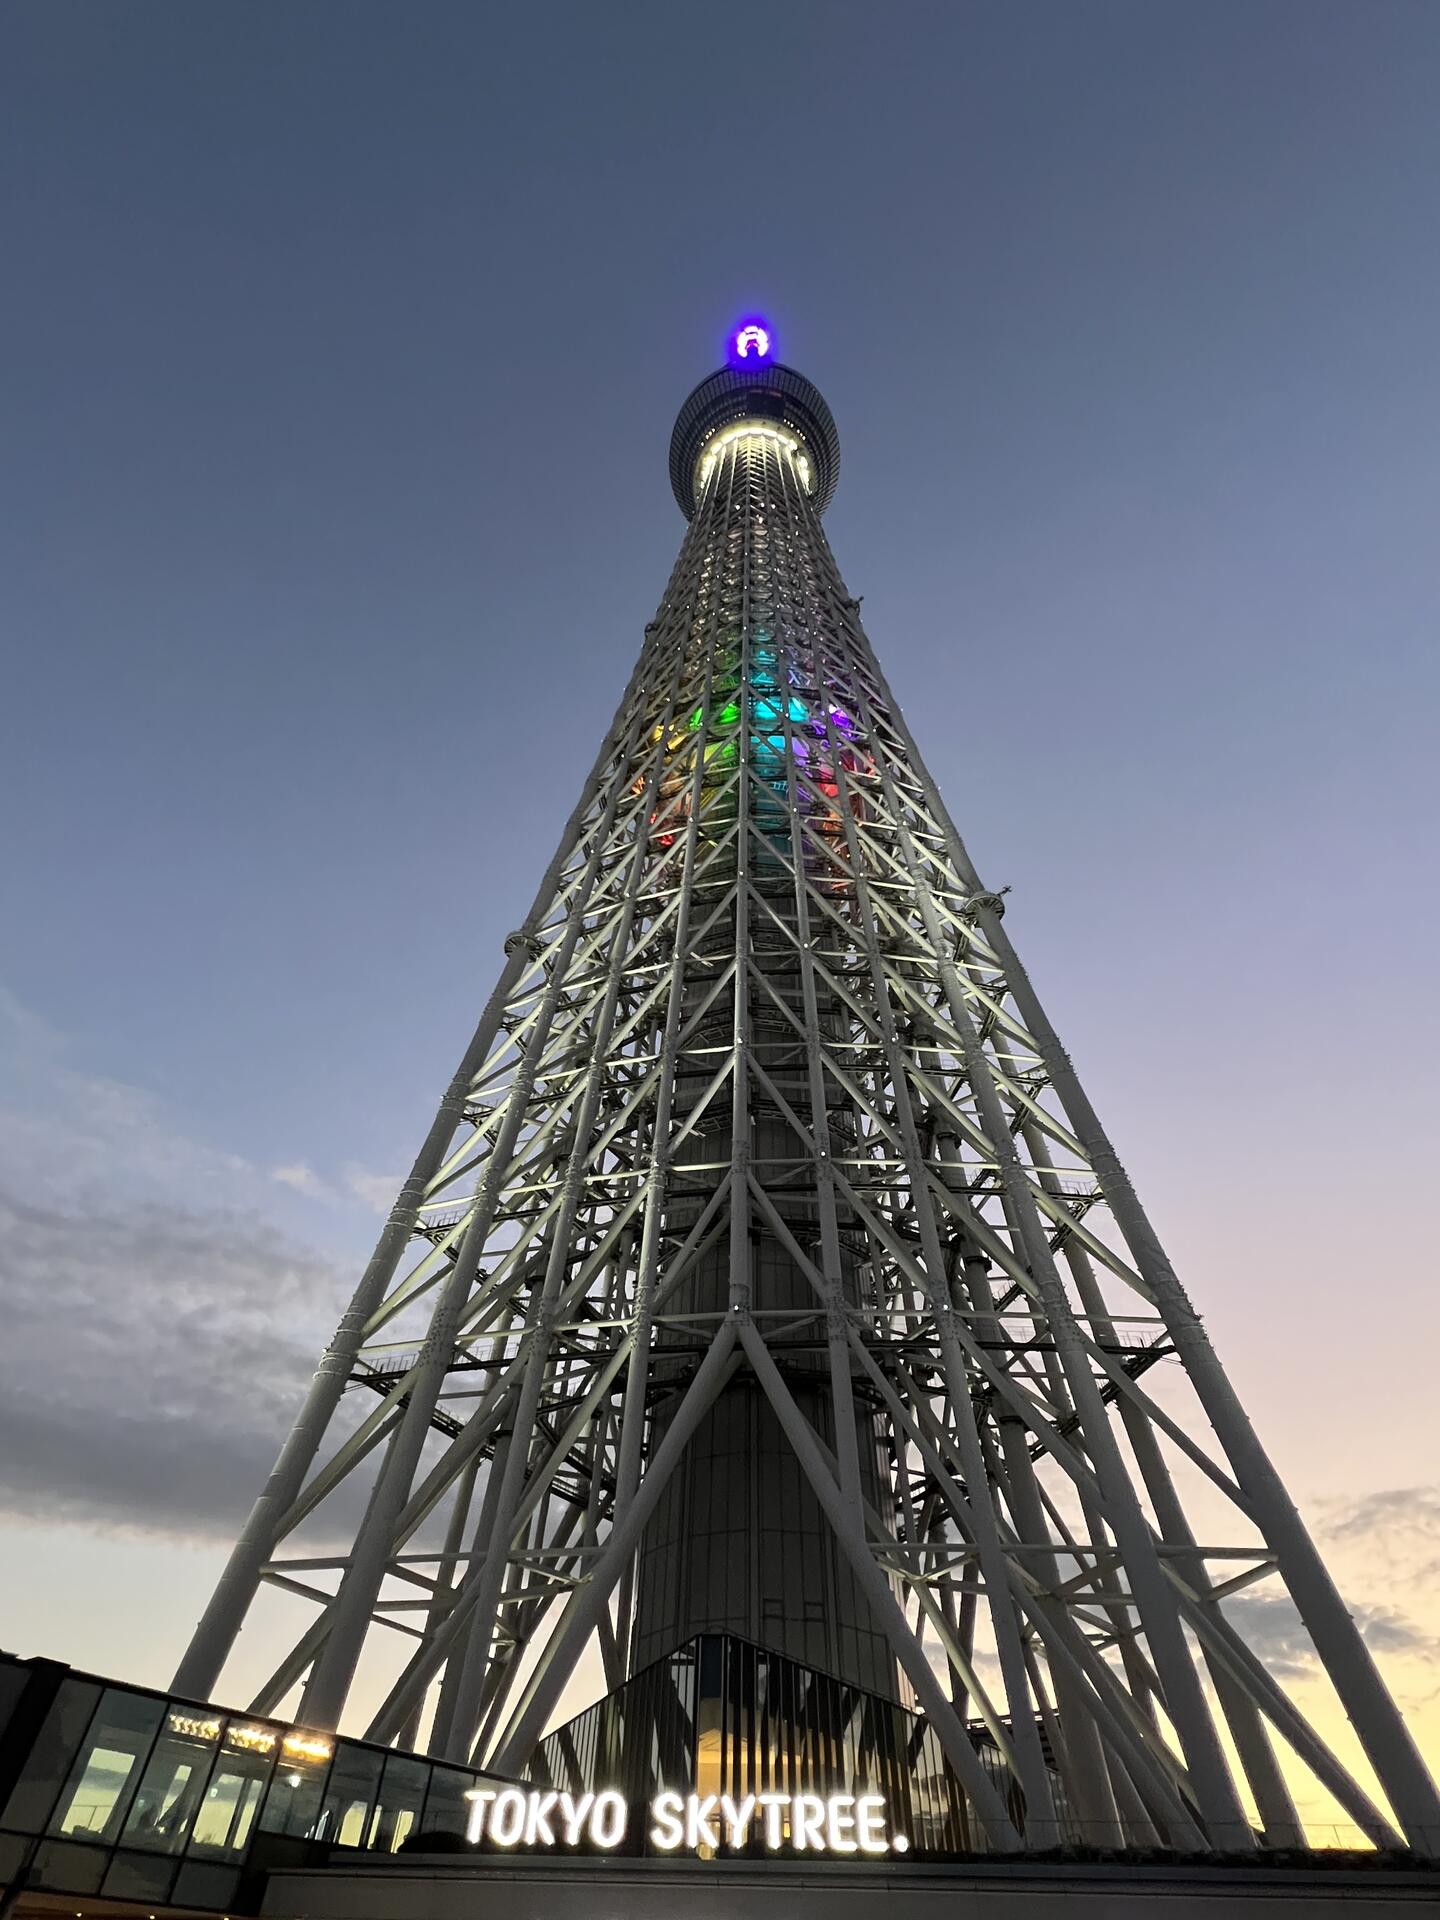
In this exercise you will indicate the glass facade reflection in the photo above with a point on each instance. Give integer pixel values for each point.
(122, 1793)
(720, 1715)
(128, 1794)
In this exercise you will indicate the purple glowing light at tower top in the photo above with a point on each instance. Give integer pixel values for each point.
(750, 341)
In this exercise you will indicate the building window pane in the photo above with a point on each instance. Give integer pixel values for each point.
(13, 1681)
(353, 1780)
(293, 1803)
(97, 1794)
(227, 1813)
(200, 1885)
(447, 1810)
(134, 1876)
(402, 1794)
(29, 1805)
(58, 1868)
(174, 1781)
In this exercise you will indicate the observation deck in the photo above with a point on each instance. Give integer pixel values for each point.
(763, 390)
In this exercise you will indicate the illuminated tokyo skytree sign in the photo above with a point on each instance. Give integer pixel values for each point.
(769, 1338)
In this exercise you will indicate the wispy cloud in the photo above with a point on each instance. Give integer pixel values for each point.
(67, 1132)
(1401, 1524)
(376, 1191)
(1271, 1625)
(1271, 1628)
(158, 1326)
(153, 1358)
(301, 1178)
(1391, 1630)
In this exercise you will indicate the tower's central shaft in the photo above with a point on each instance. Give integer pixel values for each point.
(738, 1543)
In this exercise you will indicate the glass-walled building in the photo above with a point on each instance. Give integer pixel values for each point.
(723, 1716)
(121, 1794)
(133, 1795)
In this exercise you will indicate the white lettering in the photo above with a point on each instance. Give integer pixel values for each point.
(480, 1798)
(669, 1829)
(870, 1818)
(507, 1821)
(573, 1816)
(772, 1803)
(608, 1818)
(536, 1820)
(840, 1823)
(808, 1821)
(737, 1819)
(698, 1831)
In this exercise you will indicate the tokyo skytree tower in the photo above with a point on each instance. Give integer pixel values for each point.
(767, 1273)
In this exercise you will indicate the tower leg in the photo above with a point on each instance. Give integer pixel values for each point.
(199, 1670)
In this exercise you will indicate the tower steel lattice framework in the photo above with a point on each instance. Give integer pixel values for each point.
(766, 1267)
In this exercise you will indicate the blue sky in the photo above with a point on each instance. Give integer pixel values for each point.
(340, 348)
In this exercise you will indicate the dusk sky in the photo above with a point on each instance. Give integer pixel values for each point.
(341, 345)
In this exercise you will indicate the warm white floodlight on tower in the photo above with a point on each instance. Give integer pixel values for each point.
(767, 1274)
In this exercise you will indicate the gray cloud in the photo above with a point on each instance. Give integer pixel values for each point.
(151, 1362)
(375, 1191)
(65, 1130)
(1391, 1517)
(1387, 1544)
(152, 1354)
(1389, 1630)
(1272, 1628)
